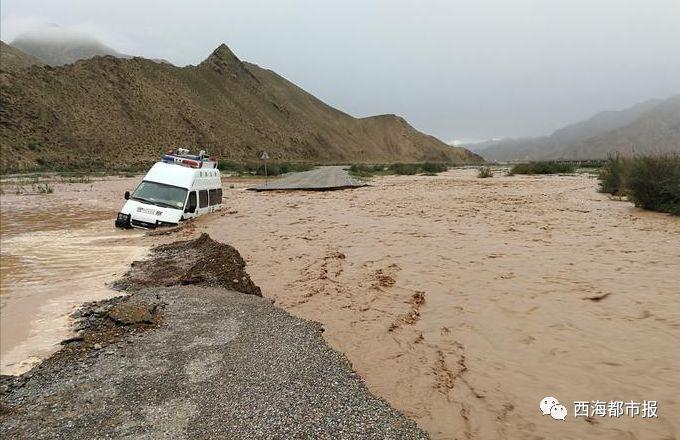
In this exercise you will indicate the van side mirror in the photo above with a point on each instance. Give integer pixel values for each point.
(127, 195)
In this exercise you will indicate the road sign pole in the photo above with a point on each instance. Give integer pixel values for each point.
(264, 158)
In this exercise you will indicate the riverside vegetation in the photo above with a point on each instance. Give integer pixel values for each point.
(484, 173)
(402, 169)
(651, 182)
(542, 167)
(257, 169)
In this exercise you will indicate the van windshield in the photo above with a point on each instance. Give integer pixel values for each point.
(160, 194)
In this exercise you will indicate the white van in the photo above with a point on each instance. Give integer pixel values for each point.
(180, 187)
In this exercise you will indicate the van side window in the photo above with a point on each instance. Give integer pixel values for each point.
(191, 203)
(213, 197)
(203, 198)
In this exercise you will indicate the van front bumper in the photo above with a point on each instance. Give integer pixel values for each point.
(123, 221)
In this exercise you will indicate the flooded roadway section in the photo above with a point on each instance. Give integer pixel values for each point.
(54, 256)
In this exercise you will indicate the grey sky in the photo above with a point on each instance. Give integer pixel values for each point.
(456, 69)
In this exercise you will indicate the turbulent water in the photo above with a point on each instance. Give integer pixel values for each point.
(55, 254)
(465, 301)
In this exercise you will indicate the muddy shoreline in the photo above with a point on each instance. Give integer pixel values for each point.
(196, 355)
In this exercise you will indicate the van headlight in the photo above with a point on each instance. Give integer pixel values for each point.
(123, 217)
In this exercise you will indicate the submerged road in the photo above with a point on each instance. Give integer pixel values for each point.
(319, 179)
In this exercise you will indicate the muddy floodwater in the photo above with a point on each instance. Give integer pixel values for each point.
(56, 252)
(465, 301)
(461, 301)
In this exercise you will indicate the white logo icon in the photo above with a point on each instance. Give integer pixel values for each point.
(558, 412)
(550, 405)
(547, 403)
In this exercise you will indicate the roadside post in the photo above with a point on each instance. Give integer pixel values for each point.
(264, 158)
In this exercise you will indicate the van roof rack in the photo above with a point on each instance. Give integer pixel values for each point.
(183, 157)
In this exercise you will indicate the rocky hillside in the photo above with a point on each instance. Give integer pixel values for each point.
(12, 59)
(646, 128)
(107, 112)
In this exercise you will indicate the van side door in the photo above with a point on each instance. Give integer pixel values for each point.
(191, 208)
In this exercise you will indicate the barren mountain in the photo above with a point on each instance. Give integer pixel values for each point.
(649, 127)
(110, 112)
(57, 46)
(12, 59)
(655, 131)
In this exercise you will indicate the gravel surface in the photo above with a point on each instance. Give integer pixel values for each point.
(321, 178)
(195, 361)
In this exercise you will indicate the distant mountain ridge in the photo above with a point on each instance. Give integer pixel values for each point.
(56, 46)
(650, 127)
(108, 111)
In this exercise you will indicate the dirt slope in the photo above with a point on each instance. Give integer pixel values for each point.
(12, 59)
(85, 113)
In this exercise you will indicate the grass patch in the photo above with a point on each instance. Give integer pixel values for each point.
(651, 182)
(542, 167)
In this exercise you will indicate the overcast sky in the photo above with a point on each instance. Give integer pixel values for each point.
(459, 69)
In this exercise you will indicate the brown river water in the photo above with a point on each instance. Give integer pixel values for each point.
(461, 301)
(55, 254)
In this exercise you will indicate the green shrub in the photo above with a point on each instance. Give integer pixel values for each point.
(276, 169)
(542, 167)
(653, 182)
(225, 165)
(404, 169)
(611, 175)
(485, 172)
(273, 168)
(407, 169)
(434, 167)
(34, 144)
(360, 170)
